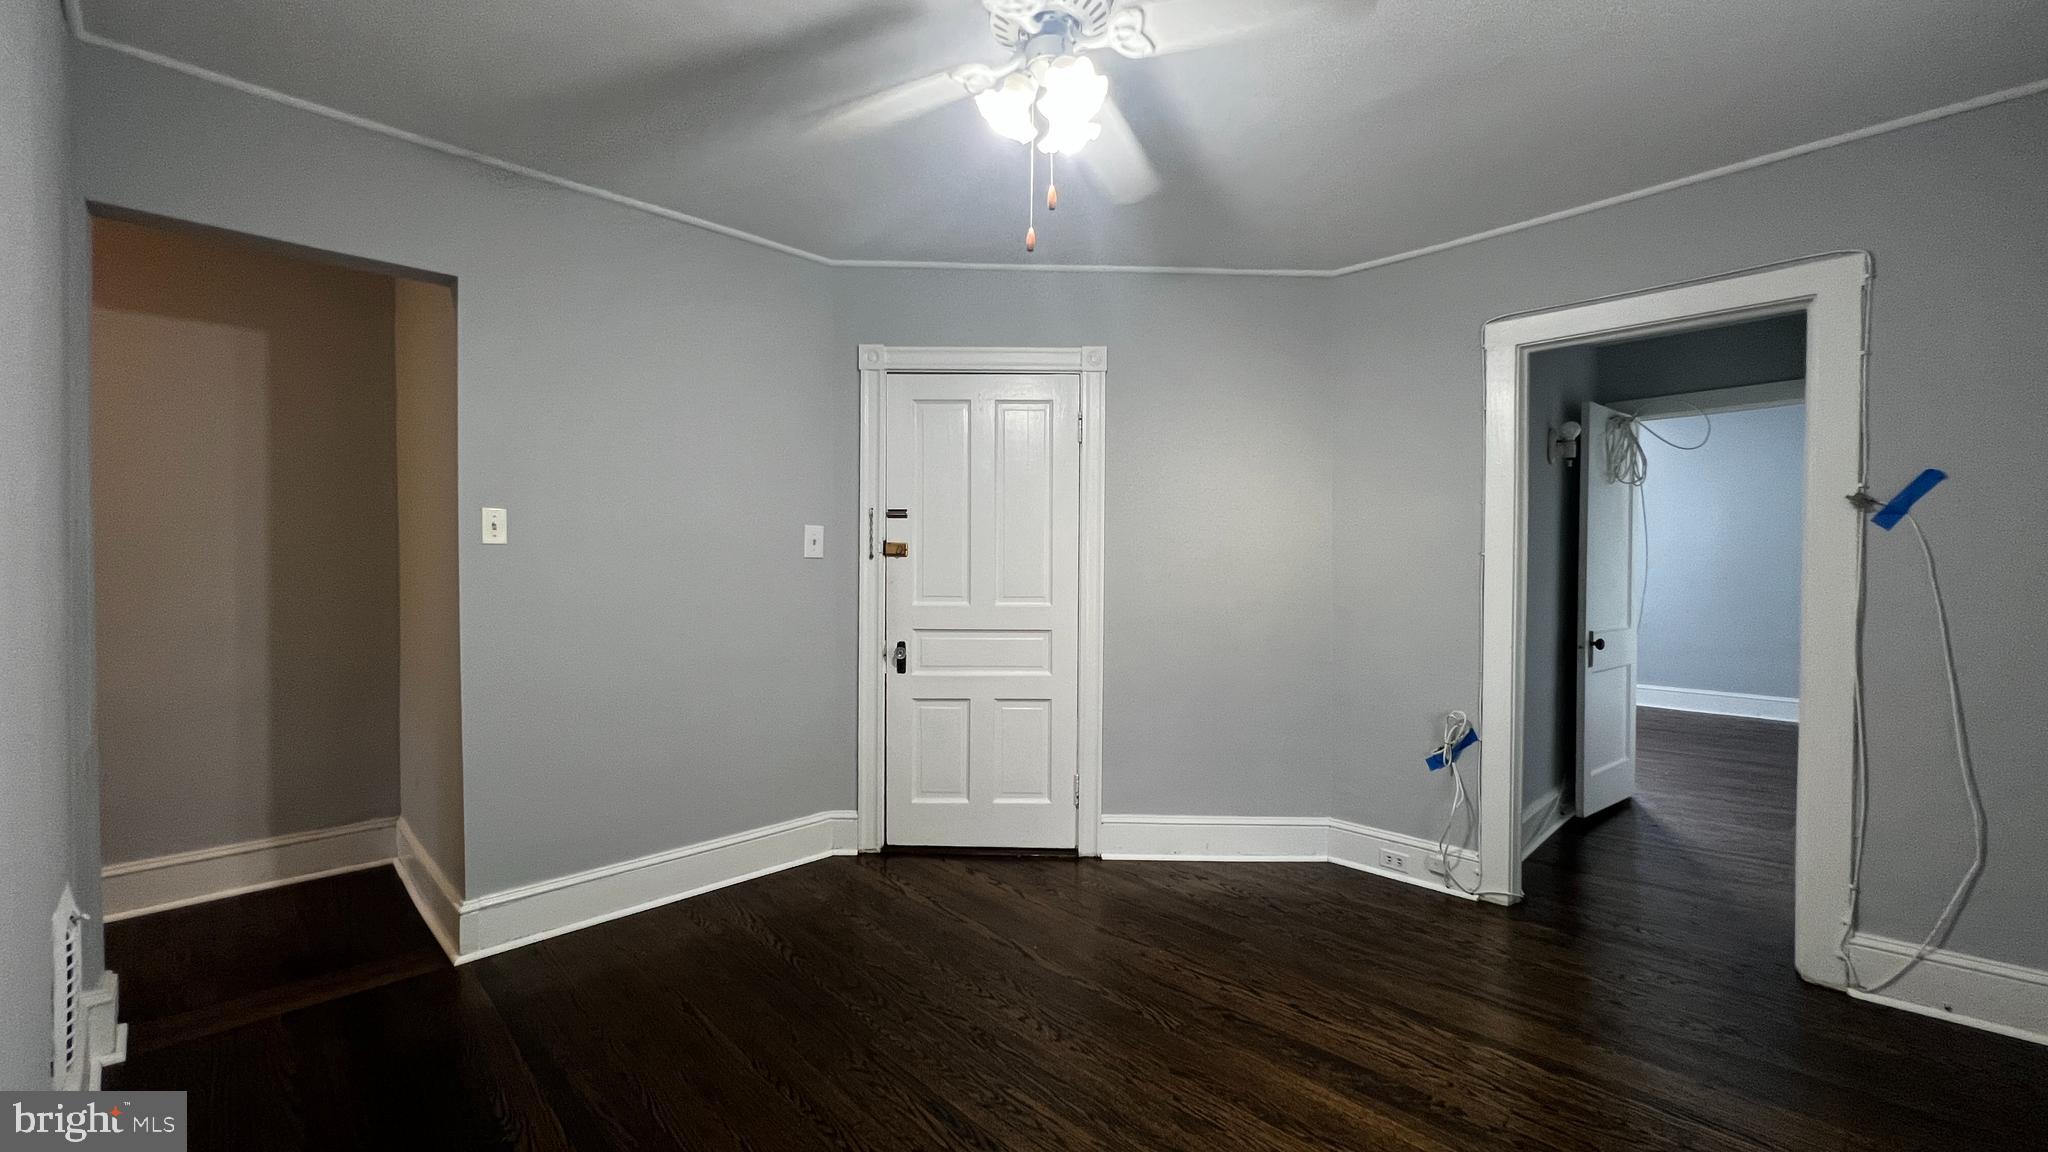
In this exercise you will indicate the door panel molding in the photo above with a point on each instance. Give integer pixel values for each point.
(876, 361)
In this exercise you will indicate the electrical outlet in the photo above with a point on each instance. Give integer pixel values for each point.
(1393, 861)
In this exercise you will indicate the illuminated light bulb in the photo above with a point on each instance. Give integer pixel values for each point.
(1007, 108)
(1068, 139)
(1071, 95)
(1073, 91)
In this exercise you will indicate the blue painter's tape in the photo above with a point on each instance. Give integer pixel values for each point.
(1436, 759)
(1888, 517)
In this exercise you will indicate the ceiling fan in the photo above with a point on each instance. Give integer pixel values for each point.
(1048, 94)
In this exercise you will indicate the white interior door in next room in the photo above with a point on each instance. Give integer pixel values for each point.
(982, 487)
(1608, 614)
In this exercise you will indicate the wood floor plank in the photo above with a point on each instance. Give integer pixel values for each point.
(1642, 997)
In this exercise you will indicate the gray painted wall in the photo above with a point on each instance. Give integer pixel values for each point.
(1728, 356)
(1721, 610)
(649, 662)
(243, 439)
(622, 696)
(1217, 678)
(685, 676)
(1951, 210)
(38, 675)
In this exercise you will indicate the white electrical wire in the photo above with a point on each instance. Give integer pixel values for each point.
(1456, 725)
(1627, 464)
(1947, 920)
(1859, 761)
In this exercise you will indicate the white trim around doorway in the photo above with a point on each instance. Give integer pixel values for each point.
(1091, 364)
(1830, 290)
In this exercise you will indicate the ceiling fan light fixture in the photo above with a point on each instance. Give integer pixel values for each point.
(1073, 91)
(1007, 108)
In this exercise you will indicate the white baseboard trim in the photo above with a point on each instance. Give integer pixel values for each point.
(1541, 819)
(1363, 848)
(1719, 703)
(504, 920)
(1214, 838)
(438, 901)
(138, 887)
(1281, 838)
(1989, 994)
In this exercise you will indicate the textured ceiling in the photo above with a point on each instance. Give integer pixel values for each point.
(1354, 131)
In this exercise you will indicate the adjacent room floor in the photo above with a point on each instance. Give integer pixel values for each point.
(1642, 997)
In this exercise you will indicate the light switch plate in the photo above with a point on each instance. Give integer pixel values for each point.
(494, 525)
(814, 541)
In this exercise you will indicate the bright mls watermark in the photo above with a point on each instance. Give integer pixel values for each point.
(153, 1120)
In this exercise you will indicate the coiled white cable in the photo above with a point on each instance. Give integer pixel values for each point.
(1627, 464)
(1456, 725)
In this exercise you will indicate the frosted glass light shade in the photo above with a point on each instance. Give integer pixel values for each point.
(1073, 91)
(1007, 108)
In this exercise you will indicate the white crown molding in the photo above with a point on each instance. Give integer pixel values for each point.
(2002, 96)
(75, 16)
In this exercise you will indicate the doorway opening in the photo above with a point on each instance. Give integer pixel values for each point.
(1819, 299)
(980, 676)
(275, 541)
(1667, 485)
(1666, 488)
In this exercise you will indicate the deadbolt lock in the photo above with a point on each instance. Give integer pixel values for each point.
(895, 548)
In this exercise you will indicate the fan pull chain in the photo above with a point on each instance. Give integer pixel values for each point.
(1052, 187)
(1031, 200)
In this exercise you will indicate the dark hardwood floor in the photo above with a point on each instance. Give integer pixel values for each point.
(1642, 997)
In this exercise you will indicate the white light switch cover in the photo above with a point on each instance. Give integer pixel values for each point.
(494, 525)
(814, 541)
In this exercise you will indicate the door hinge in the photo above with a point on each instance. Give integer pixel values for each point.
(871, 533)
(1077, 789)
(1081, 427)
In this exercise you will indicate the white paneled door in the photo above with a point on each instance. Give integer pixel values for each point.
(981, 487)
(1608, 616)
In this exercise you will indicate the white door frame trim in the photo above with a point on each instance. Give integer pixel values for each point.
(1091, 364)
(1832, 291)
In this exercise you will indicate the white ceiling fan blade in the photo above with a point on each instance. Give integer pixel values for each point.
(890, 107)
(1164, 26)
(1118, 162)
